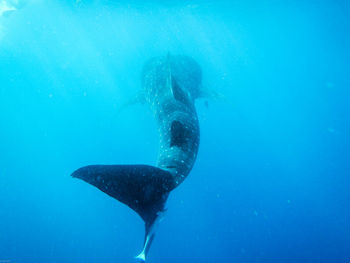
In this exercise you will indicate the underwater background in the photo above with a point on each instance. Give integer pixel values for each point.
(271, 182)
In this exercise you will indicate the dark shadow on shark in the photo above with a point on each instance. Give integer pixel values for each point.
(170, 86)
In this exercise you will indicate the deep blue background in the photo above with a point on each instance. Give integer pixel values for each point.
(271, 183)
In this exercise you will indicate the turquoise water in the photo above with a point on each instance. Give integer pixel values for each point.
(271, 182)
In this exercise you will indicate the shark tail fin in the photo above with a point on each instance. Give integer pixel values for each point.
(143, 188)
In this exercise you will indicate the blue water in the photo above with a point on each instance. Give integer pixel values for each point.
(271, 182)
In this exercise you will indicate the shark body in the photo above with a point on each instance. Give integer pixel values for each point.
(170, 86)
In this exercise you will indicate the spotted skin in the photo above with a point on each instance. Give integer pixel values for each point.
(170, 90)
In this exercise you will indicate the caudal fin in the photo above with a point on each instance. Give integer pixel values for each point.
(143, 188)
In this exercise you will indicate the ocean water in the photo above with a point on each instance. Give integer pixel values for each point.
(271, 182)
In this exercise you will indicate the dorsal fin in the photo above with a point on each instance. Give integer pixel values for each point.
(168, 75)
(178, 93)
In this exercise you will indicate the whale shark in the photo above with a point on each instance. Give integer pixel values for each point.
(170, 86)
